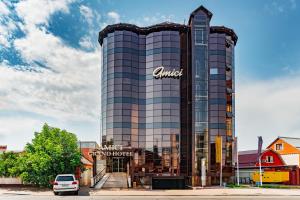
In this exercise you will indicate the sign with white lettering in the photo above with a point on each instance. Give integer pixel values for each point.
(111, 151)
(160, 72)
(111, 147)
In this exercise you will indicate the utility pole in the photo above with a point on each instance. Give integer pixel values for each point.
(237, 163)
(260, 143)
(221, 172)
(203, 172)
(260, 173)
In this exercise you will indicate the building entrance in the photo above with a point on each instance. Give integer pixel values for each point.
(118, 165)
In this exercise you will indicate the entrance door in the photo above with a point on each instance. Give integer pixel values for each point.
(118, 165)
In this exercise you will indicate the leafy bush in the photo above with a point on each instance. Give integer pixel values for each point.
(8, 166)
(51, 152)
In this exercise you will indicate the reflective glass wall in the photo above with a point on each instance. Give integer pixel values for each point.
(221, 100)
(217, 92)
(138, 110)
(168, 123)
(162, 102)
(199, 44)
(120, 86)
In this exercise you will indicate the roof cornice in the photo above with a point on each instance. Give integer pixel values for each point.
(141, 30)
(227, 31)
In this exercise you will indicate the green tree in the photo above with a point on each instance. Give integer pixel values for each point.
(8, 166)
(52, 151)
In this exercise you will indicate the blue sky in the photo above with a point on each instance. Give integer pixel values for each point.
(50, 62)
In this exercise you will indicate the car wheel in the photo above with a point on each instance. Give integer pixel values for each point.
(55, 193)
(76, 193)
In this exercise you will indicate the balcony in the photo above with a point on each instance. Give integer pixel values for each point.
(228, 67)
(229, 114)
(229, 91)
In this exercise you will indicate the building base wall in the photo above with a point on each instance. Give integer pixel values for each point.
(164, 182)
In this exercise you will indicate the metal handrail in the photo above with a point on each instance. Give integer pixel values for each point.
(99, 176)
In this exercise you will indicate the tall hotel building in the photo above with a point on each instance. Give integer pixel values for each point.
(167, 92)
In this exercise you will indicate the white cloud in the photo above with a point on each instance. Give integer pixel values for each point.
(114, 16)
(293, 4)
(7, 25)
(86, 42)
(24, 126)
(3, 41)
(89, 41)
(277, 6)
(3, 9)
(6, 31)
(17, 129)
(32, 12)
(165, 18)
(38, 11)
(87, 13)
(71, 92)
(267, 108)
(153, 19)
(67, 93)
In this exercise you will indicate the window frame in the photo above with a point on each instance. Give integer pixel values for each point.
(214, 71)
(279, 144)
(269, 159)
(202, 29)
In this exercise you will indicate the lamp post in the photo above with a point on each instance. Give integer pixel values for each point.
(237, 163)
(260, 172)
(260, 143)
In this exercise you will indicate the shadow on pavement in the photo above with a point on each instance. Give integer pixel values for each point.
(84, 191)
(26, 188)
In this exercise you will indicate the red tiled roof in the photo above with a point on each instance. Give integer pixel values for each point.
(3, 147)
(248, 158)
(85, 153)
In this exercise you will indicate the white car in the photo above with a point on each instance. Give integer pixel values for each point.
(65, 183)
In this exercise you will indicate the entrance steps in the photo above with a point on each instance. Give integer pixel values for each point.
(116, 180)
(100, 184)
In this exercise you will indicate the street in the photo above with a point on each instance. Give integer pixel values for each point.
(207, 193)
(29, 197)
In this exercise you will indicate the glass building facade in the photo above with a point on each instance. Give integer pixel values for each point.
(169, 118)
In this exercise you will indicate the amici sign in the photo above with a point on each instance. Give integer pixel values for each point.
(160, 72)
(111, 148)
(111, 151)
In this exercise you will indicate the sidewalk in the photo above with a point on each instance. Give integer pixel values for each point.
(201, 192)
(131, 192)
(19, 190)
(35, 191)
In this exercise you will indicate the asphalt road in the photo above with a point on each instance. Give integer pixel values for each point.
(69, 197)
(15, 193)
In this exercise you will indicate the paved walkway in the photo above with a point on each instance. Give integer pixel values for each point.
(116, 180)
(254, 192)
(202, 192)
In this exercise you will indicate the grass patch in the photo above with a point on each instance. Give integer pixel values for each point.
(237, 186)
(274, 186)
(271, 186)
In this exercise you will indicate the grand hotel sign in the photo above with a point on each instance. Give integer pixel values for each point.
(160, 73)
(112, 151)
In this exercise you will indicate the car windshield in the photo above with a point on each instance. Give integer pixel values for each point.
(65, 178)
